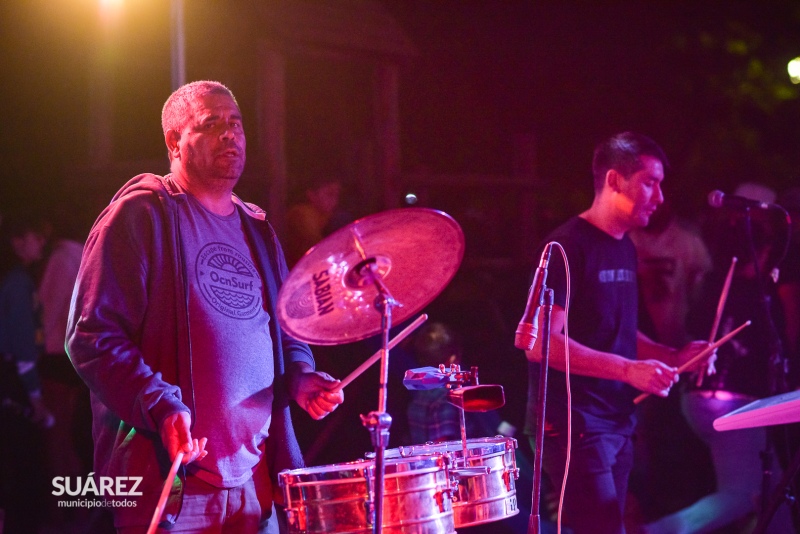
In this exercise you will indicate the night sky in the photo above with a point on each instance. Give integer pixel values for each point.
(565, 74)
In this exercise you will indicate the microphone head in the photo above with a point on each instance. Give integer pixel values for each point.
(526, 335)
(715, 198)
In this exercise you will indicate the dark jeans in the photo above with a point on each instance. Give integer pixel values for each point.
(207, 509)
(597, 483)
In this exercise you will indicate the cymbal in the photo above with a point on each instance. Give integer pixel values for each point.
(329, 298)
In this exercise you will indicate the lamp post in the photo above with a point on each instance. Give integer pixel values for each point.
(101, 84)
(177, 41)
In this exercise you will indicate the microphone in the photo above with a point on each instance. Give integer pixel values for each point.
(718, 199)
(528, 328)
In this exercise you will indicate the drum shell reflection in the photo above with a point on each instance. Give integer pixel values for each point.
(485, 485)
(338, 498)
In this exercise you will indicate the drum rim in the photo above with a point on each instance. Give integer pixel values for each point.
(489, 446)
(363, 468)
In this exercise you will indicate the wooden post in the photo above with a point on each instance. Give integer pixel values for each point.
(387, 132)
(271, 107)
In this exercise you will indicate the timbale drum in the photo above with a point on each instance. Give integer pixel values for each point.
(339, 498)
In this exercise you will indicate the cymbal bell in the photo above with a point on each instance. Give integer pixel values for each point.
(330, 298)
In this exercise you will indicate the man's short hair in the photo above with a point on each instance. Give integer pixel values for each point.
(178, 107)
(622, 153)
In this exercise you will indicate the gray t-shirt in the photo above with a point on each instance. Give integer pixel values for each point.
(232, 359)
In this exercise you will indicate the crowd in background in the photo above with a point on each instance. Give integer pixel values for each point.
(45, 413)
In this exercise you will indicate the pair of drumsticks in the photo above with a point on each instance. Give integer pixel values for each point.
(703, 355)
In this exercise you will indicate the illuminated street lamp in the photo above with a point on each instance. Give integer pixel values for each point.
(794, 70)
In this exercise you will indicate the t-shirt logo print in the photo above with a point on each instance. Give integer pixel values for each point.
(229, 281)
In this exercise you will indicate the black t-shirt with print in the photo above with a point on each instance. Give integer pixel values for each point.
(602, 316)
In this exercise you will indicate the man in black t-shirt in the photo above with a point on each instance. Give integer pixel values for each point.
(610, 360)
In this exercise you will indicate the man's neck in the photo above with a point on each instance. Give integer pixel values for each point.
(214, 195)
(601, 216)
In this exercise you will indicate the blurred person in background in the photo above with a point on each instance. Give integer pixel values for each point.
(430, 416)
(317, 215)
(673, 263)
(789, 281)
(745, 369)
(69, 443)
(23, 414)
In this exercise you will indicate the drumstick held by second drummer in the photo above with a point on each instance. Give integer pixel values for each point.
(723, 297)
(701, 356)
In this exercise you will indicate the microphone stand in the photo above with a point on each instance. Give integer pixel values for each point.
(776, 373)
(546, 302)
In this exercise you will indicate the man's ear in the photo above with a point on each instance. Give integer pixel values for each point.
(172, 138)
(613, 180)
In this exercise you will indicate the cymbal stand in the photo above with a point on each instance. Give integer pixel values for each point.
(783, 493)
(778, 364)
(379, 422)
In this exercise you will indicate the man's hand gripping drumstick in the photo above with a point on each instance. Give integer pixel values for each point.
(377, 356)
(319, 393)
(177, 438)
(701, 356)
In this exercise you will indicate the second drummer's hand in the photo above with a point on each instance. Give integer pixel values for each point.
(176, 437)
(651, 376)
(686, 353)
(314, 391)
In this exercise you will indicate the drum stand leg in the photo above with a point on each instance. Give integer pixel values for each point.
(781, 494)
(379, 422)
(464, 448)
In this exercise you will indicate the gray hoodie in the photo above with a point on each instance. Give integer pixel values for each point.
(128, 338)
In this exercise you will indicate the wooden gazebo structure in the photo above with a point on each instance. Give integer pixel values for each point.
(345, 31)
(275, 39)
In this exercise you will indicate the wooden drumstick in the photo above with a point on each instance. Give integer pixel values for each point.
(701, 356)
(720, 307)
(722, 298)
(377, 356)
(162, 500)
